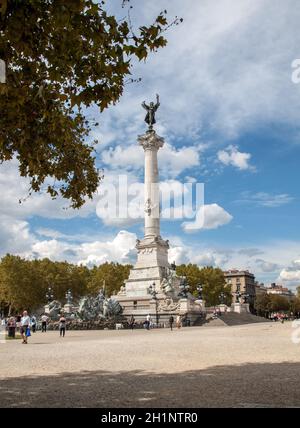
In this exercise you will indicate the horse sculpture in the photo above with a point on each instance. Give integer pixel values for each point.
(92, 308)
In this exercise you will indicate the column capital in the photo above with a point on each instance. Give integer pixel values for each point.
(150, 141)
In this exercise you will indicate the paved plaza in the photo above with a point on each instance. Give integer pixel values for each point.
(254, 365)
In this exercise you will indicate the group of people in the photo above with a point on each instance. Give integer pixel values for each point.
(148, 323)
(278, 316)
(27, 325)
(179, 321)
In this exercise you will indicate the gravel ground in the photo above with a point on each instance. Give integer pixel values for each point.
(255, 365)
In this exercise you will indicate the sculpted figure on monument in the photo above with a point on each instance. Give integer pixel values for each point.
(151, 110)
(168, 305)
(168, 283)
(54, 309)
(148, 207)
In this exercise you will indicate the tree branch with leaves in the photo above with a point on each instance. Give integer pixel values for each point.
(62, 57)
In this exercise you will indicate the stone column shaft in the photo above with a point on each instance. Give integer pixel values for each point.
(152, 221)
(151, 143)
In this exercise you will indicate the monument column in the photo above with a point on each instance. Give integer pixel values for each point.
(151, 143)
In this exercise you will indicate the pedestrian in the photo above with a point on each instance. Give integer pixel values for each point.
(171, 322)
(178, 321)
(148, 322)
(132, 322)
(33, 323)
(11, 325)
(25, 327)
(18, 322)
(62, 326)
(44, 319)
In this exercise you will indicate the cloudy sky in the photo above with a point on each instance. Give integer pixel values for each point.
(230, 116)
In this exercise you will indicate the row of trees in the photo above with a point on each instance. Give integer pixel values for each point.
(267, 303)
(24, 283)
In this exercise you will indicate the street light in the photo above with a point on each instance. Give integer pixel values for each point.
(49, 295)
(200, 291)
(222, 297)
(153, 293)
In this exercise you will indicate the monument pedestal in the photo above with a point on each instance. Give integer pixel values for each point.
(68, 308)
(223, 308)
(240, 308)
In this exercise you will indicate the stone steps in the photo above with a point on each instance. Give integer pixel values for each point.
(233, 318)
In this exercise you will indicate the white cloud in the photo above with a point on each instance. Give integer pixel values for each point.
(265, 199)
(267, 266)
(251, 252)
(49, 233)
(14, 189)
(172, 161)
(208, 217)
(232, 72)
(119, 249)
(232, 156)
(291, 274)
(15, 235)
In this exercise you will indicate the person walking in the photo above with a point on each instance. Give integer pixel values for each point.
(33, 323)
(178, 321)
(44, 319)
(132, 322)
(11, 326)
(148, 321)
(171, 322)
(62, 326)
(18, 322)
(25, 327)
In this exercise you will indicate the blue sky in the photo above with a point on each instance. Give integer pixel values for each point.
(230, 116)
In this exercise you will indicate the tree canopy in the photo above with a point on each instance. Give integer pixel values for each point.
(61, 57)
(212, 279)
(24, 283)
(266, 303)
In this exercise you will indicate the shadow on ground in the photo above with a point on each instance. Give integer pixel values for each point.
(248, 385)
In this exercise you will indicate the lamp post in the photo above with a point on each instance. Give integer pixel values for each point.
(69, 297)
(222, 297)
(200, 291)
(153, 293)
(49, 295)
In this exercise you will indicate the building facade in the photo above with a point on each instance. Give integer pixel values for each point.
(241, 282)
(279, 290)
